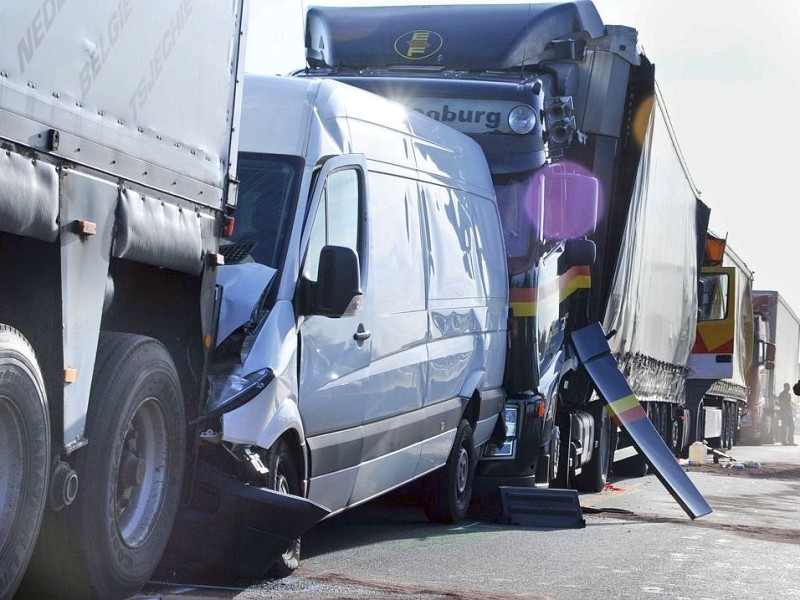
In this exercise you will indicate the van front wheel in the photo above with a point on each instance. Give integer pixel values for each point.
(449, 489)
(283, 477)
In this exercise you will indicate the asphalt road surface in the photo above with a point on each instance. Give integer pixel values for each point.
(637, 543)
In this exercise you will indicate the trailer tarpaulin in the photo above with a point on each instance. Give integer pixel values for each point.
(653, 303)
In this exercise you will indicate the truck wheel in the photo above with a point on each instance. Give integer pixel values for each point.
(560, 477)
(24, 456)
(636, 465)
(449, 489)
(283, 477)
(108, 542)
(594, 474)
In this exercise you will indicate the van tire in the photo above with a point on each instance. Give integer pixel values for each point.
(449, 490)
(24, 456)
(283, 477)
(109, 540)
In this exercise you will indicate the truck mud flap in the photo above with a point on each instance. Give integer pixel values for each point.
(231, 529)
(594, 353)
(541, 507)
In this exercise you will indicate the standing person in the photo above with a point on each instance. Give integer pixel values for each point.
(787, 416)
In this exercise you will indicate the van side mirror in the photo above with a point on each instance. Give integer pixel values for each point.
(769, 364)
(569, 205)
(339, 281)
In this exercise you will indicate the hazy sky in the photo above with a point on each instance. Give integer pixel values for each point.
(728, 73)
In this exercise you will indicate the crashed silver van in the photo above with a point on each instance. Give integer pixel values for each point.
(362, 327)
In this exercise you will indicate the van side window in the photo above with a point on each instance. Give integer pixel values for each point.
(337, 221)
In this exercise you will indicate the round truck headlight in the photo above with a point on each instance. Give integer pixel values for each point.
(522, 119)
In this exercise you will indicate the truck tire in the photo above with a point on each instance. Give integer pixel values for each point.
(284, 477)
(731, 421)
(110, 539)
(636, 465)
(594, 474)
(722, 441)
(449, 490)
(560, 477)
(24, 456)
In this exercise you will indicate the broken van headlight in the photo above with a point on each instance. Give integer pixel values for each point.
(229, 392)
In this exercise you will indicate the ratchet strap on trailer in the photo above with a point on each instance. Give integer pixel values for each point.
(592, 349)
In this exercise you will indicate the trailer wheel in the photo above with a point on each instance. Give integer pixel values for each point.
(663, 423)
(108, 542)
(723, 436)
(676, 431)
(729, 424)
(449, 490)
(594, 474)
(24, 456)
(283, 477)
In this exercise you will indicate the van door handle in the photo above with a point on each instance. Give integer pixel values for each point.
(362, 334)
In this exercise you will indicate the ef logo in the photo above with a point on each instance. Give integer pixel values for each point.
(416, 45)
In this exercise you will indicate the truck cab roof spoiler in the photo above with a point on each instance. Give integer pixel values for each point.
(462, 37)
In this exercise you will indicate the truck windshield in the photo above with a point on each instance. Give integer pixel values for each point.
(268, 191)
(713, 301)
(517, 212)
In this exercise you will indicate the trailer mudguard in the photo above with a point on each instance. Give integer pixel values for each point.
(158, 233)
(28, 197)
(593, 351)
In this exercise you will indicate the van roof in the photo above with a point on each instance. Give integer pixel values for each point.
(279, 115)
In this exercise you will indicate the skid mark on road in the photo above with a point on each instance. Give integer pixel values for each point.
(422, 593)
(759, 532)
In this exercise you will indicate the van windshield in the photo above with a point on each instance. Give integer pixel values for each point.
(268, 188)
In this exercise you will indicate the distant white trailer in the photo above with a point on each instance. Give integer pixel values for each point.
(784, 332)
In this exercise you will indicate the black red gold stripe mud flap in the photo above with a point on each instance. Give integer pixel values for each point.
(594, 353)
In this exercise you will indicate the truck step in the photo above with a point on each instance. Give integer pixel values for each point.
(541, 507)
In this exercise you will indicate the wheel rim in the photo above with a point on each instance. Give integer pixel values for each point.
(12, 472)
(142, 473)
(555, 451)
(281, 483)
(283, 486)
(462, 472)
